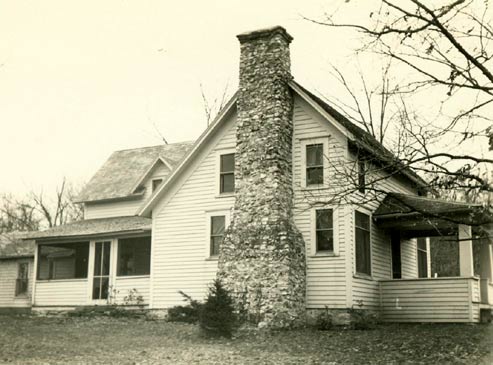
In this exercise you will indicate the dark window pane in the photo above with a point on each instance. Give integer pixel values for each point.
(422, 264)
(422, 243)
(134, 256)
(217, 225)
(100, 288)
(363, 257)
(314, 155)
(325, 240)
(324, 218)
(228, 162)
(314, 175)
(63, 261)
(106, 258)
(215, 244)
(227, 183)
(156, 183)
(362, 220)
(97, 258)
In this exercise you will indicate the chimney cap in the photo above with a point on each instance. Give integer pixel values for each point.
(264, 33)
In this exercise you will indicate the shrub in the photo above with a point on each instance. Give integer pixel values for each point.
(185, 313)
(324, 320)
(362, 319)
(217, 316)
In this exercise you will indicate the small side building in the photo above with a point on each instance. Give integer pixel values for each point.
(16, 272)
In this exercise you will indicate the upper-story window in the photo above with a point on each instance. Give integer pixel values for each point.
(314, 164)
(156, 183)
(227, 173)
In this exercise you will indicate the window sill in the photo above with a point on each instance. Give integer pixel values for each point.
(212, 258)
(363, 276)
(225, 195)
(21, 297)
(323, 254)
(314, 187)
(133, 277)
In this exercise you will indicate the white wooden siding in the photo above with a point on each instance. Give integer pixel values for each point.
(179, 239)
(113, 209)
(61, 292)
(430, 300)
(8, 276)
(326, 275)
(123, 285)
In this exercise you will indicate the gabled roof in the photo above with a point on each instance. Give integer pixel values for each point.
(353, 132)
(118, 177)
(96, 227)
(363, 139)
(16, 245)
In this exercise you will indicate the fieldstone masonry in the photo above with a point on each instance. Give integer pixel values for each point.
(262, 259)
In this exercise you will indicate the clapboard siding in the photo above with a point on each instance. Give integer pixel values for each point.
(326, 275)
(61, 293)
(8, 276)
(430, 300)
(179, 259)
(114, 209)
(124, 285)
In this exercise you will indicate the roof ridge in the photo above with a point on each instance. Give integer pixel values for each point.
(154, 146)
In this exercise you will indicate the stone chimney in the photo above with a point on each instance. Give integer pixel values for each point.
(262, 259)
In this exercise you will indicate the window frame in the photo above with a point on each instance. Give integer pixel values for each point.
(425, 251)
(324, 141)
(18, 279)
(208, 223)
(313, 232)
(370, 249)
(218, 174)
(362, 169)
(117, 256)
(52, 263)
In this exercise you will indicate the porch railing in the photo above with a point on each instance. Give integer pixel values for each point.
(430, 300)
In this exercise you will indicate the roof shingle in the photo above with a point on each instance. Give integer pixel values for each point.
(123, 169)
(16, 244)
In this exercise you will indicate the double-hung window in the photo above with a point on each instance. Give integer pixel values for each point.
(314, 164)
(227, 173)
(363, 244)
(217, 229)
(324, 230)
(22, 281)
(422, 258)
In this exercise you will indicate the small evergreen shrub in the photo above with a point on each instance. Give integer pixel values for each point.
(217, 316)
(185, 313)
(324, 320)
(362, 319)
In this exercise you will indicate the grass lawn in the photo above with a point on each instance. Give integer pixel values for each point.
(34, 340)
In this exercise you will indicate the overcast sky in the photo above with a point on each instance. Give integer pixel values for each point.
(80, 79)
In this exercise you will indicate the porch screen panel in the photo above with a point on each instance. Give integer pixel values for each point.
(363, 249)
(134, 256)
(63, 261)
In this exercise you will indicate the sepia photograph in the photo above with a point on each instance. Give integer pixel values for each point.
(259, 182)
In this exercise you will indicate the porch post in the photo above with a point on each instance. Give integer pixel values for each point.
(465, 251)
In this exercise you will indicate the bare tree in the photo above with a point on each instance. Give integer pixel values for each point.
(39, 210)
(445, 48)
(212, 107)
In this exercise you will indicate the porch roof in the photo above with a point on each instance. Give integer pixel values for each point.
(96, 227)
(416, 216)
(16, 245)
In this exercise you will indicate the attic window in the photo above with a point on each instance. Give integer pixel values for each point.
(227, 173)
(156, 183)
(314, 164)
(361, 175)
